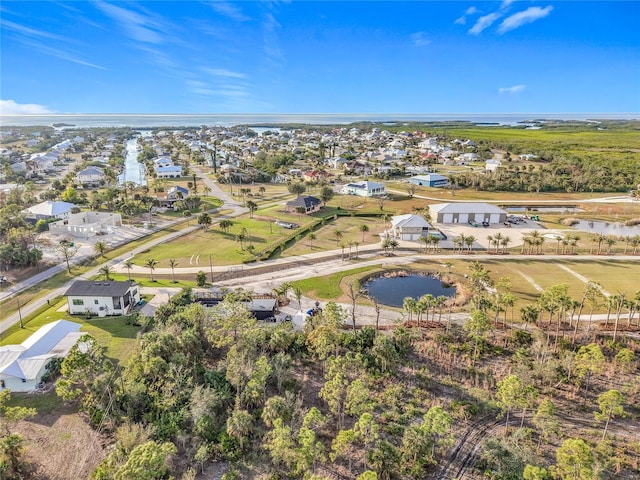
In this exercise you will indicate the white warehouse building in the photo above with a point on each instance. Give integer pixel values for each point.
(467, 212)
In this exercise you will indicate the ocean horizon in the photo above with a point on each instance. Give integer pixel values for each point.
(196, 120)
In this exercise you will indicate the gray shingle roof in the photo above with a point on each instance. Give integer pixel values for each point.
(85, 288)
(304, 201)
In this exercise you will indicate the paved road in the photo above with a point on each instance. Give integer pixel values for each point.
(32, 306)
(285, 269)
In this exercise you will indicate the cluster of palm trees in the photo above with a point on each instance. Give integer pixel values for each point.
(532, 243)
(464, 243)
(430, 242)
(423, 305)
(499, 241)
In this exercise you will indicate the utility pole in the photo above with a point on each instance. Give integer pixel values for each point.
(20, 313)
(211, 269)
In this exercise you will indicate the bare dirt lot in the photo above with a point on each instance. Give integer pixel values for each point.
(61, 445)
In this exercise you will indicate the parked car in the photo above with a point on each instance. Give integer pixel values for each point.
(485, 224)
(286, 224)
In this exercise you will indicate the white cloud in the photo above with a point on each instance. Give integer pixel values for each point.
(420, 39)
(529, 15)
(142, 28)
(10, 107)
(511, 90)
(30, 32)
(229, 10)
(506, 4)
(484, 22)
(463, 19)
(221, 72)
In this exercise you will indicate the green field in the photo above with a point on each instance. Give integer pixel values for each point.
(614, 276)
(117, 334)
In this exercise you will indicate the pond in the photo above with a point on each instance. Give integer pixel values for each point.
(607, 228)
(393, 290)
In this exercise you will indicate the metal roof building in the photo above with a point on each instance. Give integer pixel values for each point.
(22, 366)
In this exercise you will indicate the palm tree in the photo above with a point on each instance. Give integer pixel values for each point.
(497, 239)
(599, 238)
(489, 242)
(252, 206)
(128, 264)
(151, 265)
(468, 241)
(173, 263)
(409, 306)
(426, 242)
(106, 271)
(311, 237)
(239, 425)
(205, 220)
(338, 236)
(610, 241)
(364, 228)
(225, 225)
(504, 242)
(241, 237)
(100, 248)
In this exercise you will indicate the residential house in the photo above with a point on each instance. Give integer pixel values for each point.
(86, 224)
(23, 366)
(492, 164)
(102, 298)
(430, 180)
(408, 227)
(364, 189)
(90, 177)
(318, 176)
(170, 171)
(174, 194)
(357, 168)
(467, 213)
(50, 209)
(164, 161)
(309, 203)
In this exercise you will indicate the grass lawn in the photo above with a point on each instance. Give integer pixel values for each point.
(158, 282)
(328, 286)
(43, 403)
(614, 276)
(444, 194)
(115, 333)
(349, 228)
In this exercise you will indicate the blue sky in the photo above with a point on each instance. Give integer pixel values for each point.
(551, 56)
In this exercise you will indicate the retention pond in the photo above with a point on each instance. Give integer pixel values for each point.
(392, 290)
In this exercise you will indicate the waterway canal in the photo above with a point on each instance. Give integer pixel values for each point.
(133, 170)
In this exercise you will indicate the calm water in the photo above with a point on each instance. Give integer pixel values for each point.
(188, 120)
(133, 170)
(392, 291)
(606, 228)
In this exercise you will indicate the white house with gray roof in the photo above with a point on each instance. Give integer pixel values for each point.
(50, 209)
(408, 227)
(90, 176)
(23, 366)
(364, 189)
(102, 298)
